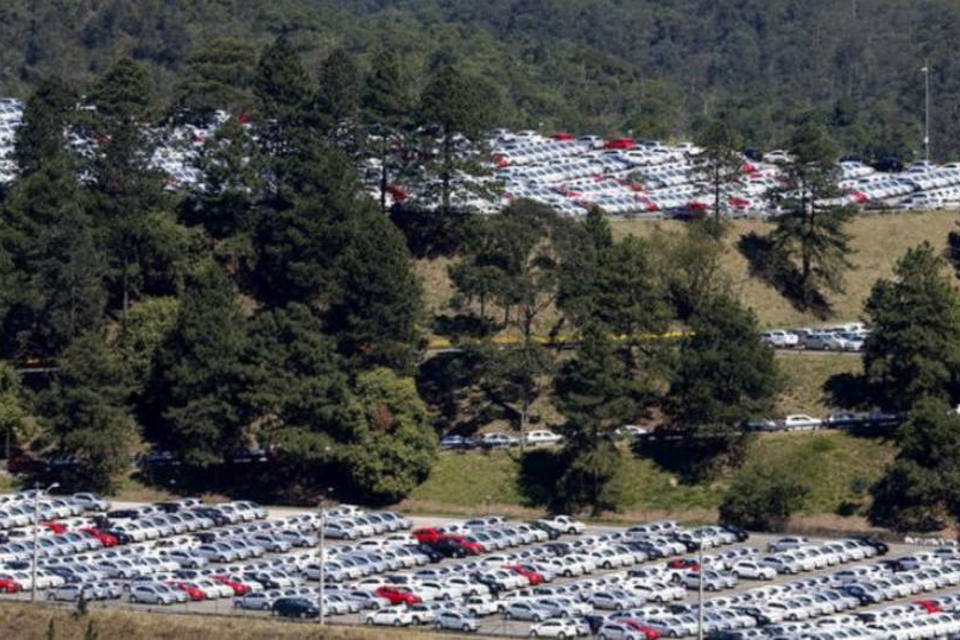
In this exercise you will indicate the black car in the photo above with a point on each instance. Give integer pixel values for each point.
(295, 608)
(594, 622)
(430, 552)
(494, 585)
(123, 514)
(450, 549)
(215, 515)
(559, 548)
(551, 532)
(881, 546)
(742, 534)
(169, 507)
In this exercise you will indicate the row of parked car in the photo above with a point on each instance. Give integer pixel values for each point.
(845, 337)
(543, 578)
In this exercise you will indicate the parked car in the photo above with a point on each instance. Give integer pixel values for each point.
(295, 608)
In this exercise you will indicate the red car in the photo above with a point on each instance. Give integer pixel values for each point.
(398, 595)
(469, 545)
(427, 535)
(686, 564)
(533, 577)
(106, 539)
(239, 589)
(9, 585)
(195, 594)
(929, 605)
(55, 527)
(639, 627)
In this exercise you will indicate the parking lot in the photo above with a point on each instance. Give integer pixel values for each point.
(552, 578)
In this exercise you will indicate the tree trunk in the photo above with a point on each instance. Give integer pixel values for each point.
(383, 177)
(483, 314)
(445, 175)
(716, 194)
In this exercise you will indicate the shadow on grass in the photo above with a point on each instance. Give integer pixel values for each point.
(540, 473)
(848, 391)
(766, 265)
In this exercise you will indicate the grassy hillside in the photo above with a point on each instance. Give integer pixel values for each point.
(878, 241)
(30, 622)
(472, 483)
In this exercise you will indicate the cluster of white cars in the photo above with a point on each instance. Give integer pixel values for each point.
(844, 337)
(11, 117)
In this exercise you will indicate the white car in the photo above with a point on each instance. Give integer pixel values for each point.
(566, 524)
(542, 436)
(800, 421)
(454, 621)
(560, 628)
(753, 570)
(393, 616)
(478, 606)
(780, 339)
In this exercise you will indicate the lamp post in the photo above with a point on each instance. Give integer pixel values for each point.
(700, 593)
(323, 555)
(926, 111)
(36, 548)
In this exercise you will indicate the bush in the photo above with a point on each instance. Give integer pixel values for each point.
(763, 499)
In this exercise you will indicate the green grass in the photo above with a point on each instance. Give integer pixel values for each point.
(804, 377)
(466, 482)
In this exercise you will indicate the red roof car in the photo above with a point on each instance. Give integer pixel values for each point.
(929, 605)
(194, 593)
(106, 539)
(239, 589)
(649, 632)
(471, 546)
(688, 564)
(427, 535)
(533, 577)
(398, 595)
(9, 585)
(55, 527)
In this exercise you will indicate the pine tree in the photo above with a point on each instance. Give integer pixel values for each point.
(12, 410)
(913, 349)
(724, 376)
(595, 394)
(41, 137)
(811, 234)
(337, 100)
(86, 408)
(194, 403)
(458, 104)
(718, 160)
(283, 89)
(218, 76)
(376, 303)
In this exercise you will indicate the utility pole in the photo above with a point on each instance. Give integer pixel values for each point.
(700, 593)
(36, 533)
(323, 555)
(926, 111)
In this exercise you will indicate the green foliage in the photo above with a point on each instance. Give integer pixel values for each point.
(218, 76)
(194, 403)
(762, 498)
(689, 268)
(86, 408)
(395, 445)
(810, 236)
(282, 87)
(40, 138)
(912, 351)
(724, 377)
(376, 301)
(338, 93)
(594, 392)
(919, 491)
(148, 326)
(386, 99)
(12, 411)
(719, 161)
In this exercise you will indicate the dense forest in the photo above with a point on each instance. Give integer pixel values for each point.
(655, 68)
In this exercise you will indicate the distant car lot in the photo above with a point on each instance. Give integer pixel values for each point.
(547, 578)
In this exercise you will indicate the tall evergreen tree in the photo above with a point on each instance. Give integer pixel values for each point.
(337, 100)
(725, 376)
(195, 406)
(461, 104)
(219, 75)
(376, 302)
(42, 136)
(718, 161)
(919, 490)
(86, 408)
(283, 90)
(913, 350)
(594, 393)
(810, 235)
